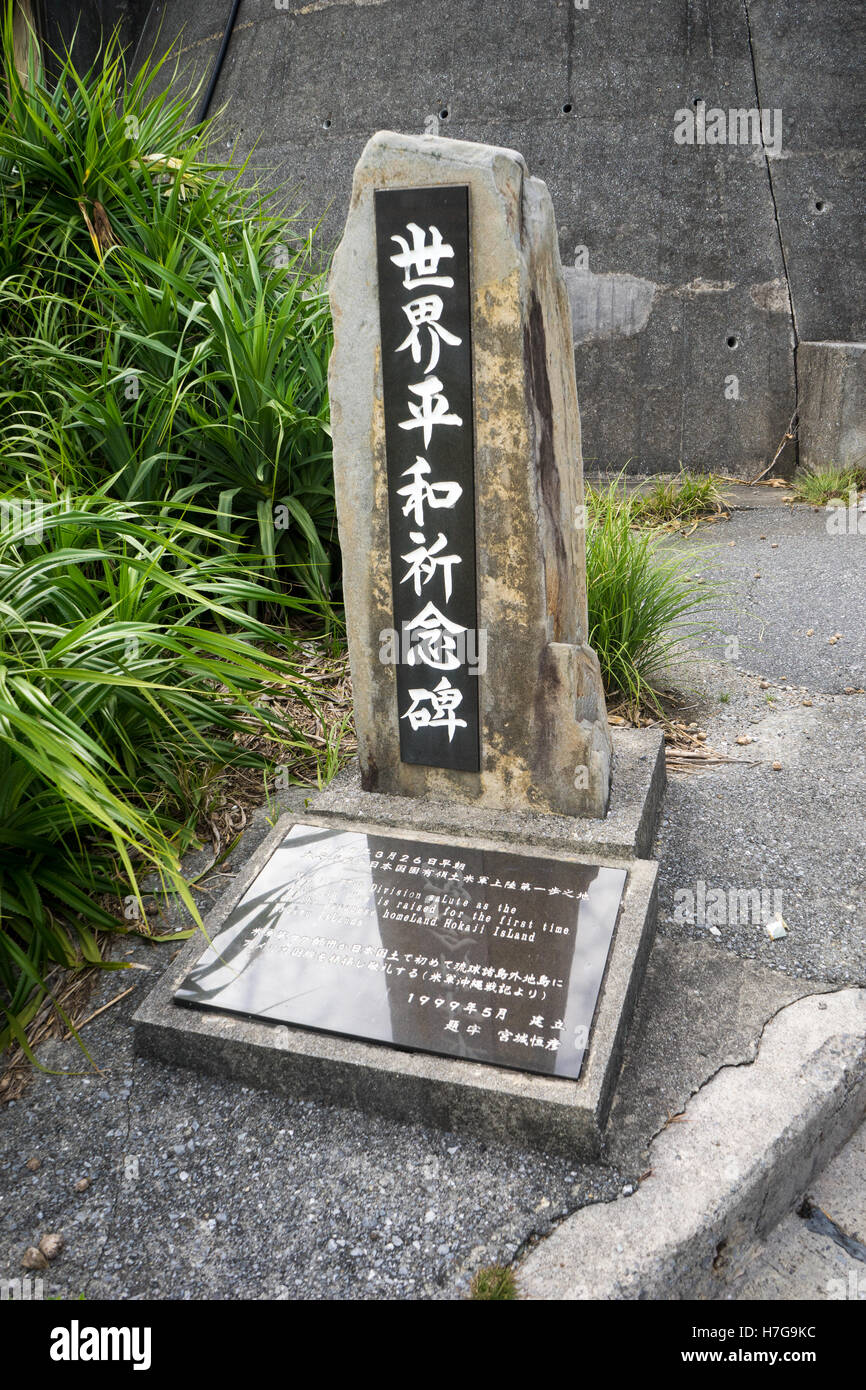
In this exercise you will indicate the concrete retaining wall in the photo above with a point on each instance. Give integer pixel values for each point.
(693, 269)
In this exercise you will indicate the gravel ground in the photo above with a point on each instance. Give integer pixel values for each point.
(795, 832)
(206, 1189)
(201, 1189)
(786, 575)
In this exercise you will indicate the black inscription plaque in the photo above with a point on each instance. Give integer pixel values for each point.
(422, 245)
(491, 956)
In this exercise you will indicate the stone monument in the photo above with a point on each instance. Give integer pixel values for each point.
(453, 348)
(456, 931)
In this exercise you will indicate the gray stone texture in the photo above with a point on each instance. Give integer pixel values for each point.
(545, 743)
(685, 243)
(832, 380)
(806, 1260)
(626, 832)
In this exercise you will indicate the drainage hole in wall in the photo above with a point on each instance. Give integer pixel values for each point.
(444, 113)
(820, 205)
(732, 340)
(566, 110)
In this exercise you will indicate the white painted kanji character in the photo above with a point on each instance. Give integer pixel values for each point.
(436, 645)
(423, 257)
(432, 410)
(425, 312)
(419, 492)
(424, 561)
(444, 701)
(452, 1026)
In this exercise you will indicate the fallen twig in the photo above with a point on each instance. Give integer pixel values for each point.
(789, 434)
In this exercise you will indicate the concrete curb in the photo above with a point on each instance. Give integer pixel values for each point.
(749, 1143)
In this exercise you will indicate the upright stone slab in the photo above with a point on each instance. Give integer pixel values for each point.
(477, 393)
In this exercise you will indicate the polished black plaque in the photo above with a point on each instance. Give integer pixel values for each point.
(422, 242)
(491, 956)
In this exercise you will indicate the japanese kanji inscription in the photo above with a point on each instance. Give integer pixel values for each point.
(422, 237)
(458, 486)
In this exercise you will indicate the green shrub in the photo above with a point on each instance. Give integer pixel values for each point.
(166, 330)
(162, 402)
(676, 500)
(124, 654)
(496, 1282)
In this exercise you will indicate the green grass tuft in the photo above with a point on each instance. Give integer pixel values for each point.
(819, 485)
(643, 602)
(495, 1282)
(677, 500)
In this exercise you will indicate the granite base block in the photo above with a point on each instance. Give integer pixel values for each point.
(553, 1113)
(638, 781)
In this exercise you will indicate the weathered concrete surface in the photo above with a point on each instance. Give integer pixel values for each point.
(545, 744)
(687, 240)
(807, 63)
(832, 379)
(492, 1103)
(627, 830)
(723, 1175)
(699, 1010)
(815, 1256)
